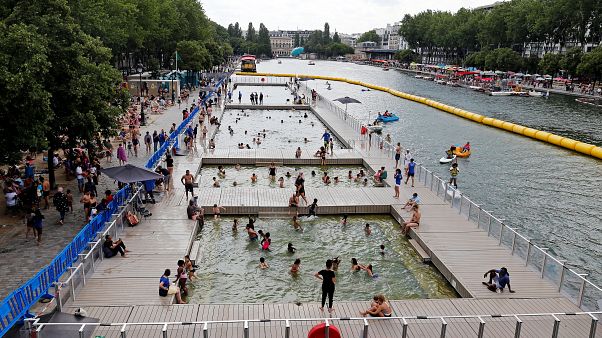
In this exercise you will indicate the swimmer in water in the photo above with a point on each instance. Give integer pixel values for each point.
(344, 219)
(262, 264)
(382, 249)
(291, 248)
(272, 172)
(365, 183)
(215, 183)
(253, 178)
(251, 231)
(313, 173)
(336, 180)
(281, 182)
(296, 224)
(305, 140)
(235, 225)
(369, 270)
(217, 211)
(266, 242)
(288, 175)
(367, 229)
(350, 175)
(296, 266)
(355, 265)
(221, 172)
(237, 166)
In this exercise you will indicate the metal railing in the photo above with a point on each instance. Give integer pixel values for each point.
(399, 326)
(571, 283)
(79, 256)
(238, 79)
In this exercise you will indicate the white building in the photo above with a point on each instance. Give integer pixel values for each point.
(281, 45)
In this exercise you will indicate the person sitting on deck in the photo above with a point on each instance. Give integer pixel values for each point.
(414, 222)
(498, 279)
(379, 308)
(414, 200)
(165, 287)
(110, 248)
(194, 212)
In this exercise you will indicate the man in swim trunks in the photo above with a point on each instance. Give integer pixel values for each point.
(414, 222)
(397, 154)
(187, 180)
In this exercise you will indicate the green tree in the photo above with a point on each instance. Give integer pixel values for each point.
(591, 64)
(550, 63)
(571, 60)
(81, 83)
(296, 40)
(195, 57)
(407, 56)
(251, 34)
(26, 102)
(326, 34)
(263, 40)
(369, 36)
(336, 38)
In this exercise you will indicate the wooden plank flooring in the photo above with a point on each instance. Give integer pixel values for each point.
(571, 326)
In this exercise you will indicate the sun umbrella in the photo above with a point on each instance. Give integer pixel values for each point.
(539, 79)
(130, 173)
(346, 100)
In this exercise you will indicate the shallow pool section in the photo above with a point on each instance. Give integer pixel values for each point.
(242, 177)
(275, 129)
(272, 95)
(229, 262)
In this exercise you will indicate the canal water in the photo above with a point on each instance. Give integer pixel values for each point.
(550, 194)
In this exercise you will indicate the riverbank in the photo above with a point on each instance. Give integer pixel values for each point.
(557, 90)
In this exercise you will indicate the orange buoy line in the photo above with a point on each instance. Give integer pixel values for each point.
(544, 136)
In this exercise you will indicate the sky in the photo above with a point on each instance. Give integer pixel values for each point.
(345, 16)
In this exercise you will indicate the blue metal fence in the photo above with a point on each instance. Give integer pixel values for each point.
(16, 305)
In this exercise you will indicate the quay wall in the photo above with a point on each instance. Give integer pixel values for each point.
(557, 140)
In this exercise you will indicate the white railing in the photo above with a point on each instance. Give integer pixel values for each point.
(571, 283)
(401, 325)
(259, 80)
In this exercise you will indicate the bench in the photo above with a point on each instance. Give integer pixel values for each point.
(420, 251)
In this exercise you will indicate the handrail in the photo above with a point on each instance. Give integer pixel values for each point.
(37, 326)
(378, 141)
(17, 303)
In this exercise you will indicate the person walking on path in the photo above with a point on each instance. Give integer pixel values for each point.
(155, 141)
(45, 191)
(407, 157)
(121, 155)
(398, 179)
(188, 180)
(38, 224)
(397, 154)
(410, 171)
(169, 165)
(60, 203)
(261, 98)
(329, 280)
(147, 142)
(453, 174)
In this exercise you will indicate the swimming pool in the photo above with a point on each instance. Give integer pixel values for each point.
(229, 261)
(242, 177)
(276, 129)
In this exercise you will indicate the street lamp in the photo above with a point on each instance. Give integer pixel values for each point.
(140, 68)
(173, 94)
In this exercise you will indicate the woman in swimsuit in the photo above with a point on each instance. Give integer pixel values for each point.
(182, 277)
(296, 224)
(296, 266)
(265, 242)
(355, 266)
(368, 270)
(414, 222)
(379, 308)
(252, 233)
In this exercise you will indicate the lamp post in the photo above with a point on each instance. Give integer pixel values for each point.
(173, 94)
(140, 68)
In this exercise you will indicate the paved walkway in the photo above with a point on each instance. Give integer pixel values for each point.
(21, 258)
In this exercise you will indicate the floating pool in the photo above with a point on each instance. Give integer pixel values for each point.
(242, 177)
(283, 129)
(272, 95)
(229, 261)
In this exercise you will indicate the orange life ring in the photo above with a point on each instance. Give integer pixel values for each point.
(318, 331)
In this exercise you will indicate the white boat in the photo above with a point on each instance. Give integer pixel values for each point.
(444, 159)
(536, 93)
(418, 76)
(501, 93)
(441, 82)
(385, 68)
(311, 63)
(428, 78)
(279, 61)
(477, 88)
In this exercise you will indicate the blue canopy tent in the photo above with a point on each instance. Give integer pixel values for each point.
(297, 51)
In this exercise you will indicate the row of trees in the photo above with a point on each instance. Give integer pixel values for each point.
(255, 42)
(60, 60)
(321, 43)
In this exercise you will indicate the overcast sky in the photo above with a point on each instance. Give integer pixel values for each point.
(346, 16)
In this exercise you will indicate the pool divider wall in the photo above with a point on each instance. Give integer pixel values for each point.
(557, 140)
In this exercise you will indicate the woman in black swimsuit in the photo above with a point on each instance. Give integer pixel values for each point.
(272, 173)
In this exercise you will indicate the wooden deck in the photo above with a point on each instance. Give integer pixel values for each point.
(570, 326)
(125, 290)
